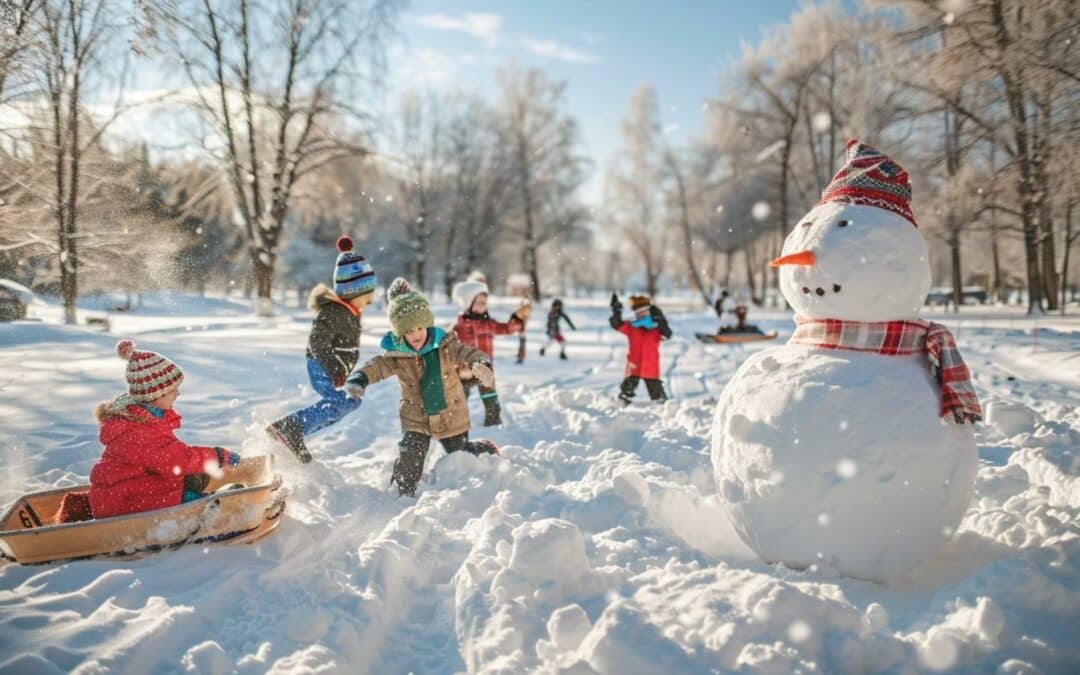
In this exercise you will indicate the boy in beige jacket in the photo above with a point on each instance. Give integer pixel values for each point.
(429, 364)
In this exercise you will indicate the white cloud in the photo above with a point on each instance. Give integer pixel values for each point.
(481, 25)
(557, 50)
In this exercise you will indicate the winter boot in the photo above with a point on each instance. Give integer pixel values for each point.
(562, 355)
(288, 431)
(492, 412)
(542, 350)
(483, 447)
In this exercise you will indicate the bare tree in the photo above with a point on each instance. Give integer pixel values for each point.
(546, 169)
(633, 191)
(279, 83)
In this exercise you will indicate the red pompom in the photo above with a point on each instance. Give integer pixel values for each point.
(344, 244)
(125, 348)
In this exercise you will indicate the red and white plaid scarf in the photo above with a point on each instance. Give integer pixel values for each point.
(901, 338)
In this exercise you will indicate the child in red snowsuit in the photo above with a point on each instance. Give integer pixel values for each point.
(476, 328)
(648, 328)
(144, 466)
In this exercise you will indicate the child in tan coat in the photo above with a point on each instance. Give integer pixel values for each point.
(428, 363)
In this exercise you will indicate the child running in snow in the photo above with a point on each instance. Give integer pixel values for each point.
(476, 328)
(144, 466)
(427, 362)
(333, 349)
(648, 328)
(554, 332)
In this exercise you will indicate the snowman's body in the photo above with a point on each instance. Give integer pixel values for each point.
(840, 458)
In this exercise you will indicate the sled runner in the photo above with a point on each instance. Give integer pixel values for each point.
(733, 337)
(243, 505)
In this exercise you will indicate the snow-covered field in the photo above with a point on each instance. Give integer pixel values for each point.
(595, 543)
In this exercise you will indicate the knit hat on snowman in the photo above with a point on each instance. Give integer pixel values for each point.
(353, 274)
(149, 374)
(870, 178)
(407, 309)
(465, 292)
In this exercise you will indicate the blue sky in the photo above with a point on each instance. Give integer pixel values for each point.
(602, 48)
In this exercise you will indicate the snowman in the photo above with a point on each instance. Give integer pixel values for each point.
(851, 446)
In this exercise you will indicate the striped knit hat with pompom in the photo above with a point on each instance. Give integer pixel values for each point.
(407, 309)
(149, 374)
(353, 275)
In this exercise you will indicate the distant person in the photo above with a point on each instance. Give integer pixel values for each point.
(554, 328)
(645, 331)
(723, 305)
(333, 349)
(144, 466)
(475, 328)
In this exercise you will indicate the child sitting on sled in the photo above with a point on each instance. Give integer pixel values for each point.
(554, 328)
(428, 363)
(475, 328)
(645, 332)
(144, 466)
(333, 349)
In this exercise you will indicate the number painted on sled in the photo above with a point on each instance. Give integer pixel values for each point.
(25, 518)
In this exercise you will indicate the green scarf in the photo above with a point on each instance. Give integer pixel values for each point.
(431, 384)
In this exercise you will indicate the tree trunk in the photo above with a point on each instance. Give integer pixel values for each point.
(262, 263)
(1065, 258)
(688, 240)
(1015, 98)
(1040, 161)
(957, 276)
(748, 259)
(728, 267)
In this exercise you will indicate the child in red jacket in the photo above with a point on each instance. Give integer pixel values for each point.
(475, 327)
(648, 328)
(144, 466)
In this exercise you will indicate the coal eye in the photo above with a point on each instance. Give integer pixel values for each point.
(843, 223)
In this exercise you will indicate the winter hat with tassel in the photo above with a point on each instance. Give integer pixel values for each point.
(407, 309)
(149, 374)
(353, 274)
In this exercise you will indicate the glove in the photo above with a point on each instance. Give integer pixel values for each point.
(355, 384)
(483, 372)
(227, 457)
(655, 313)
(616, 306)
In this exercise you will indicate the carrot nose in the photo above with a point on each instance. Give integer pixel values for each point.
(801, 258)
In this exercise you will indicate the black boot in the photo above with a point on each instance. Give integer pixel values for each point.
(542, 350)
(562, 355)
(290, 433)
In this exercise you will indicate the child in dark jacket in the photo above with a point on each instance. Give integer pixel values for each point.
(332, 351)
(428, 363)
(144, 466)
(645, 332)
(554, 331)
(475, 328)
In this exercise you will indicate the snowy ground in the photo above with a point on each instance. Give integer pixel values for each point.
(593, 544)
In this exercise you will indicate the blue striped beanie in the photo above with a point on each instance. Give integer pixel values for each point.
(353, 275)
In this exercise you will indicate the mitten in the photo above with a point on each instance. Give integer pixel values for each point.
(355, 384)
(227, 457)
(483, 372)
(616, 305)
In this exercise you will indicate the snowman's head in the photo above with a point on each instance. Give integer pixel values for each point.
(858, 255)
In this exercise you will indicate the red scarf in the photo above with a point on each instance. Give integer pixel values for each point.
(901, 338)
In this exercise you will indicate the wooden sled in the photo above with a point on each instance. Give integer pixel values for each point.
(244, 505)
(732, 337)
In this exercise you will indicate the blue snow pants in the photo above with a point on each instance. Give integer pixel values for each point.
(333, 405)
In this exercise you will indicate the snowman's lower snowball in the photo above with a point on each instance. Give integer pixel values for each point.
(840, 459)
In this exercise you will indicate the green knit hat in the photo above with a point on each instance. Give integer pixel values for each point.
(407, 309)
